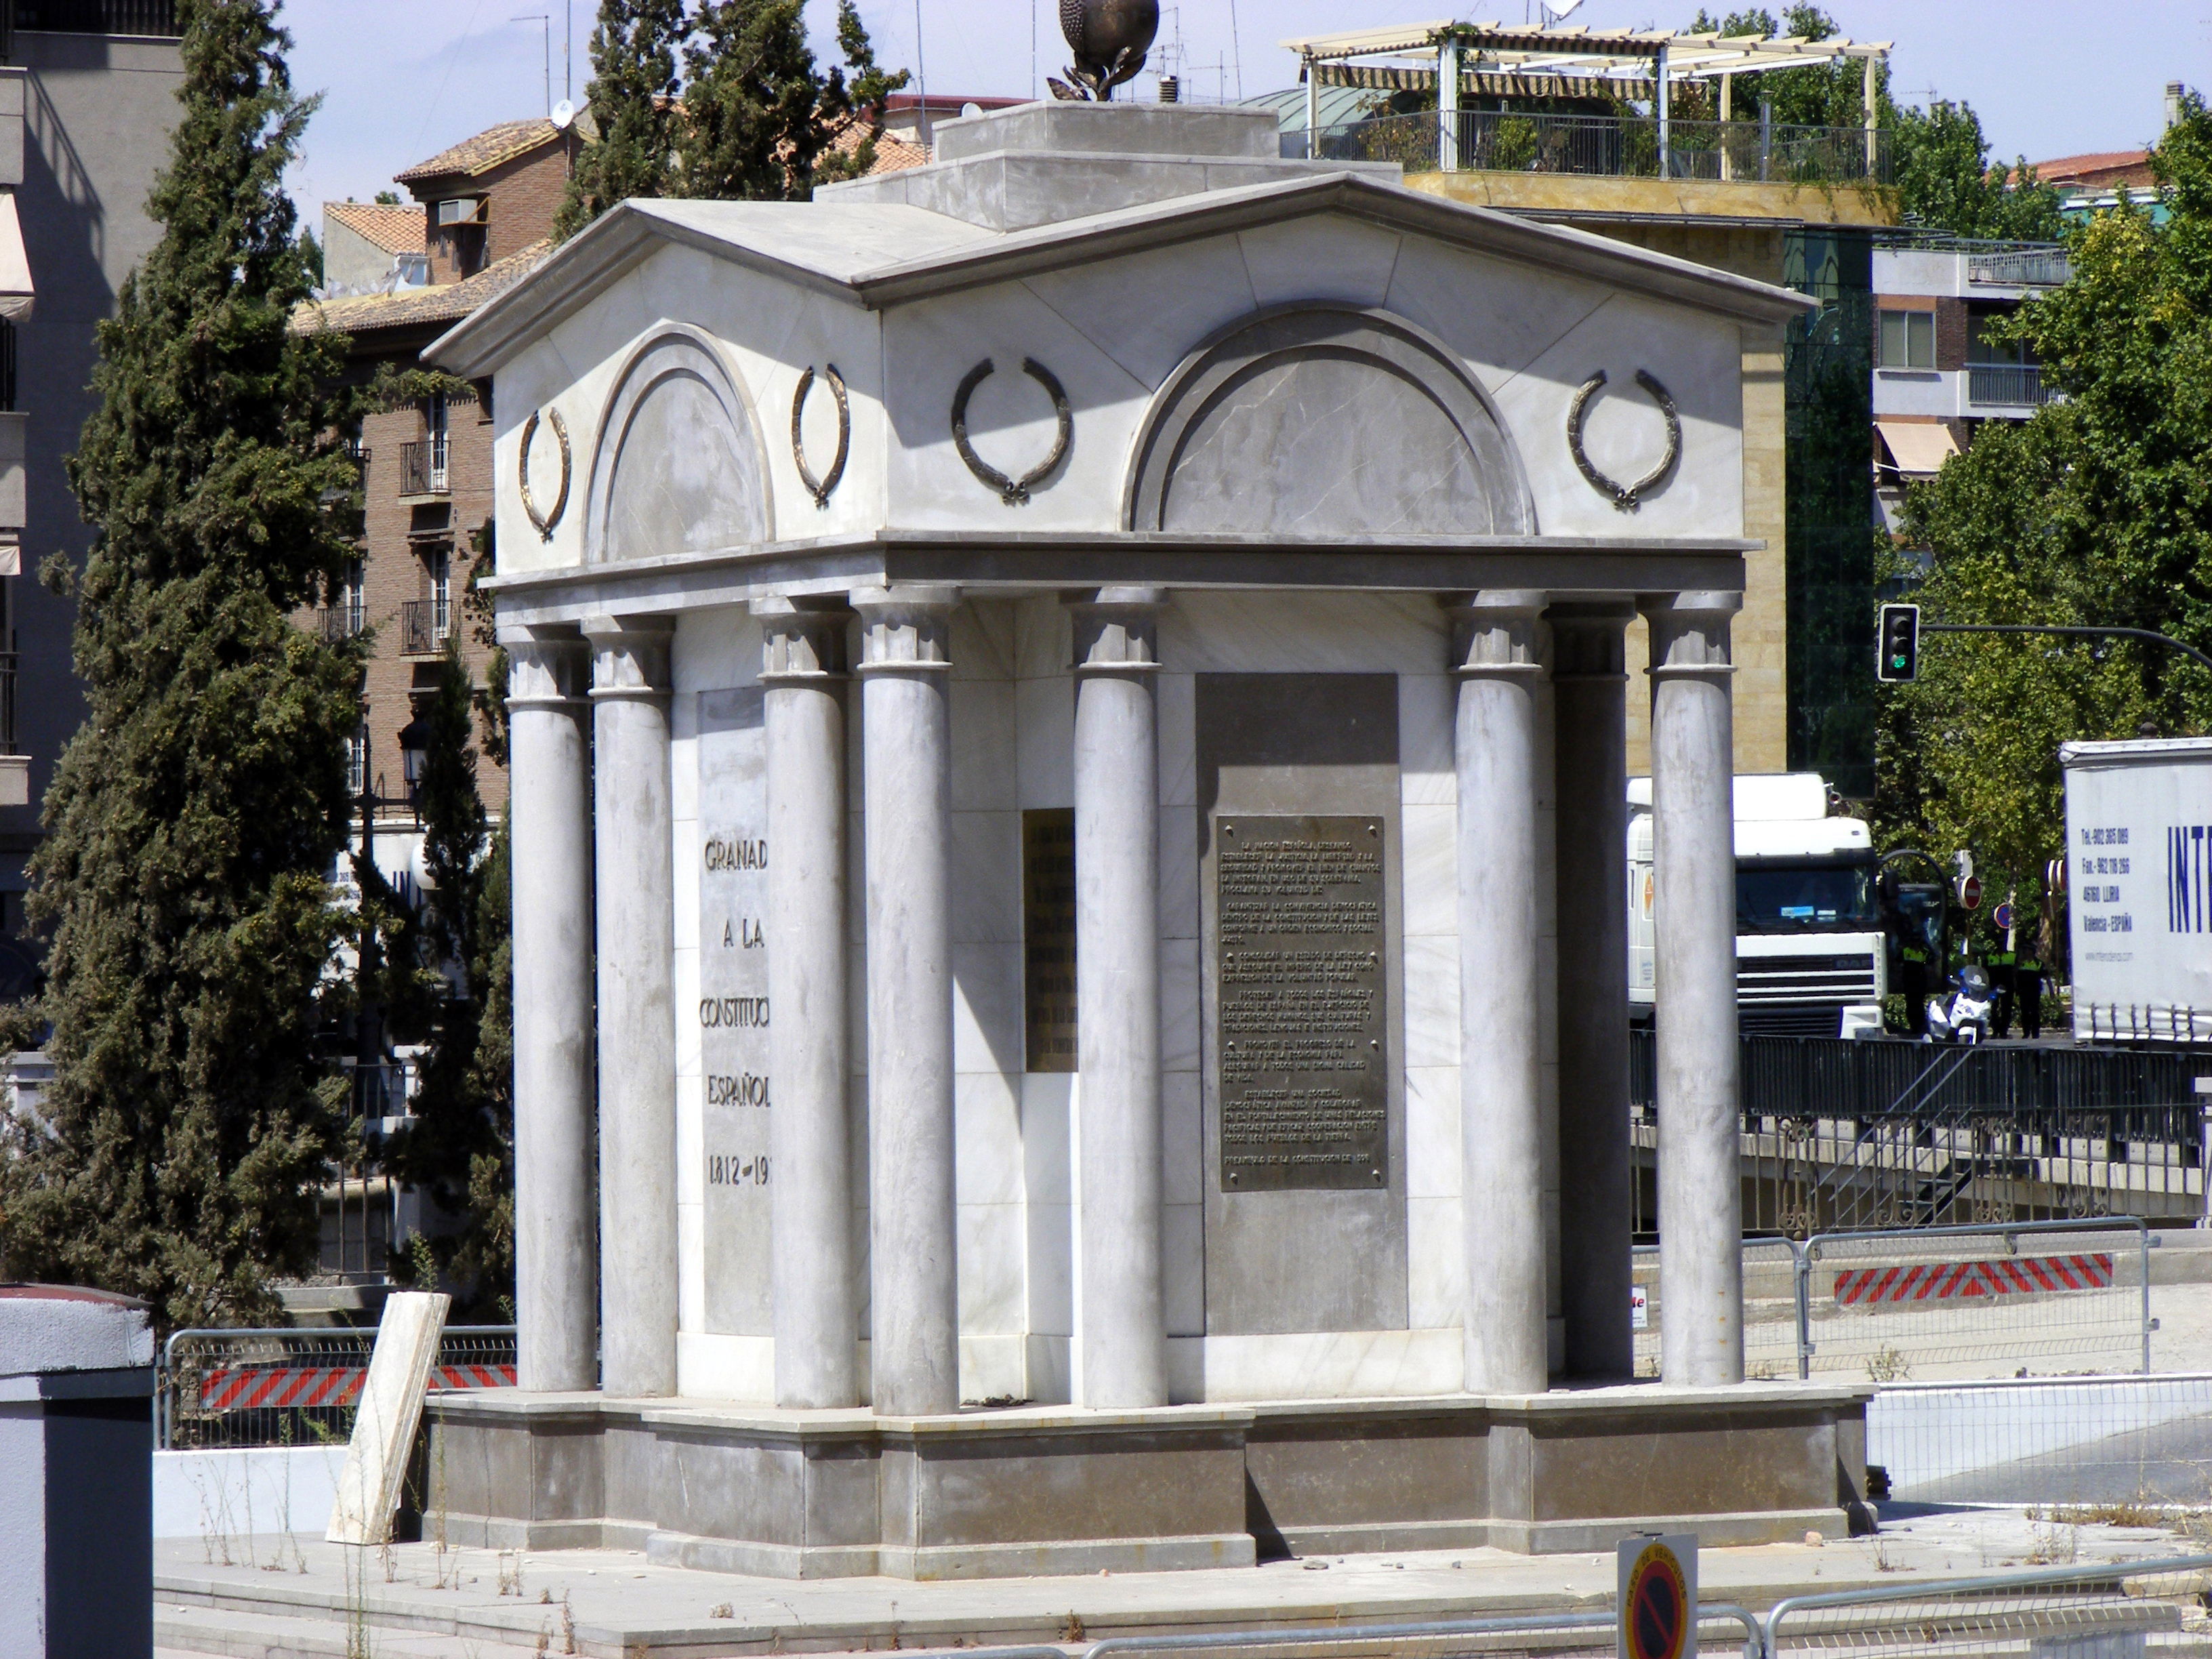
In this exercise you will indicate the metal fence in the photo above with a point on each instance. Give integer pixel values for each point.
(2006, 383)
(2109, 1611)
(2101, 1446)
(296, 1387)
(1887, 1306)
(1622, 147)
(1875, 1136)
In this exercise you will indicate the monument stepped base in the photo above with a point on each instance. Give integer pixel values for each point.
(1053, 1489)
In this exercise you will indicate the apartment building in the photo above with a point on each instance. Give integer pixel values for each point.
(1940, 370)
(86, 104)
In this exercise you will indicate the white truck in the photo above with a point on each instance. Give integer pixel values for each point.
(1812, 957)
(2138, 885)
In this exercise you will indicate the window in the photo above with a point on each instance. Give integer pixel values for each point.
(353, 598)
(441, 561)
(357, 760)
(1983, 323)
(433, 430)
(1908, 339)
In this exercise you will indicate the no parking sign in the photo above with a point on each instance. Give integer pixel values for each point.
(1658, 1597)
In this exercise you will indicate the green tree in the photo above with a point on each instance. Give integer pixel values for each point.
(1945, 179)
(193, 819)
(459, 1150)
(631, 98)
(1810, 95)
(2097, 510)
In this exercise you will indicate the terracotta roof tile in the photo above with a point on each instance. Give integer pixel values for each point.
(893, 153)
(447, 303)
(394, 229)
(479, 154)
(2108, 160)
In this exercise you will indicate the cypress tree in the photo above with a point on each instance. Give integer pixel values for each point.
(759, 116)
(632, 99)
(192, 820)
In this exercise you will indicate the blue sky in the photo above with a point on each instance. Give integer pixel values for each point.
(401, 79)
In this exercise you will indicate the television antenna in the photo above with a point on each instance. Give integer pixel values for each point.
(545, 25)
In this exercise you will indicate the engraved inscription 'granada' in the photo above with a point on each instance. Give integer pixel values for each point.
(1300, 1044)
(724, 853)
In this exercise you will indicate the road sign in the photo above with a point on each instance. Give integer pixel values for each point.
(2002, 915)
(1970, 893)
(1657, 1590)
(1897, 658)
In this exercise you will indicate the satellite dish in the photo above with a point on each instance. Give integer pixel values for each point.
(1559, 12)
(563, 112)
(970, 108)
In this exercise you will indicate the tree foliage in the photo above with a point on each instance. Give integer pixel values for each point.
(2097, 510)
(191, 824)
(752, 116)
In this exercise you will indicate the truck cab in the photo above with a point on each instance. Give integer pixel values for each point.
(1812, 955)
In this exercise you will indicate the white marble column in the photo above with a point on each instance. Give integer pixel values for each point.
(1693, 916)
(906, 760)
(549, 814)
(1496, 655)
(1121, 1358)
(637, 1012)
(1590, 765)
(816, 1314)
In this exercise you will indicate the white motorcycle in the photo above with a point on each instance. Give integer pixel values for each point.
(1966, 1017)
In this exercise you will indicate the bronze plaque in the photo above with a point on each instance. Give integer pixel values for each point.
(1301, 1043)
(1048, 938)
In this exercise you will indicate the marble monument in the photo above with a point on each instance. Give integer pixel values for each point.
(1067, 778)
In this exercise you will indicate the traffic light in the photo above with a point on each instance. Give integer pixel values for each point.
(1898, 658)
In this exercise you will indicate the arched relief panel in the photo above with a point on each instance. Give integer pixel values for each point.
(678, 466)
(1319, 419)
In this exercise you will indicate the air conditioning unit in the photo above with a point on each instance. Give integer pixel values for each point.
(461, 210)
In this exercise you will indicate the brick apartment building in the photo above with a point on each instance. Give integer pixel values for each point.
(397, 277)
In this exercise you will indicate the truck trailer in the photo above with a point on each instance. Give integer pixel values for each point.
(2138, 887)
(1811, 955)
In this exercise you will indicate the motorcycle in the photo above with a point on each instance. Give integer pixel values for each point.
(1966, 1017)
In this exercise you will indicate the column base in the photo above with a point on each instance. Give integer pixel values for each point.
(1051, 1490)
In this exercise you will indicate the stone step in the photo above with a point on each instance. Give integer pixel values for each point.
(210, 1633)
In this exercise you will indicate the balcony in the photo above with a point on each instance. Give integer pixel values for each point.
(2020, 267)
(2013, 384)
(423, 626)
(1604, 146)
(157, 18)
(15, 769)
(339, 622)
(423, 468)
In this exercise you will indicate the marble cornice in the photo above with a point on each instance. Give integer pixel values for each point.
(1007, 563)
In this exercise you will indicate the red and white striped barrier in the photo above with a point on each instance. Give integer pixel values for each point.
(244, 1388)
(1944, 1281)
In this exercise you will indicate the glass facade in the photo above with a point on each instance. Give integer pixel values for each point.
(1829, 504)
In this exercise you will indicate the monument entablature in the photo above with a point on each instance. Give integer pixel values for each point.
(1068, 795)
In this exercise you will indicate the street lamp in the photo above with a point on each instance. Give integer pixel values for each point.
(414, 752)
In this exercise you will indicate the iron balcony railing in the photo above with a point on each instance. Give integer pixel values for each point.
(2006, 383)
(1605, 146)
(423, 468)
(149, 17)
(2020, 267)
(342, 621)
(423, 625)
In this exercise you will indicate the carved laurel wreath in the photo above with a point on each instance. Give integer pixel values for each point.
(1626, 498)
(820, 487)
(544, 521)
(1014, 492)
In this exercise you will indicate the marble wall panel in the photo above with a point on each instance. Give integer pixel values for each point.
(1427, 710)
(714, 1365)
(930, 345)
(987, 1008)
(1436, 1257)
(1044, 725)
(1432, 1000)
(986, 858)
(1182, 1139)
(1316, 1365)
(1321, 258)
(1433, 1144)
(992, 1286)
(987, 1152)
(1147, 311)
(1183, 1269)
(1178, 715)
(1178, 872)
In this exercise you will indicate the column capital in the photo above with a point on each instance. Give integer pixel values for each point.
(630, 656)
(1116, 628)
(1587, 638)
(905, 627)
(802, 639)
(1690, 632)
(545, 668)
(1497, 633)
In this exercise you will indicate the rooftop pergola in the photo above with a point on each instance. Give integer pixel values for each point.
(1489, 59)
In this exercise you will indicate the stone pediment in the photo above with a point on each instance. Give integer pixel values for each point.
(882, 254)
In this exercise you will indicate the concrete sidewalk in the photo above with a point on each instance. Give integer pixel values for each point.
(279, 1595)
